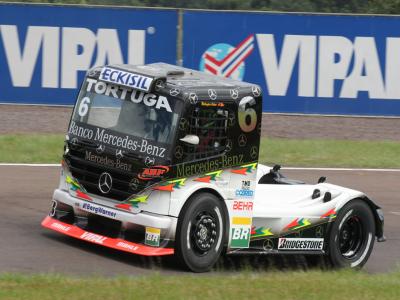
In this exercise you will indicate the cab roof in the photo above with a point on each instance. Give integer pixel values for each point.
(182, 82)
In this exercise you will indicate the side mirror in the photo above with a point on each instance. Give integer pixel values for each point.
(190, 139)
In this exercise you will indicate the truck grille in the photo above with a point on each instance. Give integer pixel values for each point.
(88, 174)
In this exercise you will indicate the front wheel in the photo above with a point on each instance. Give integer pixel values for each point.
(200, 232)
(352, 236)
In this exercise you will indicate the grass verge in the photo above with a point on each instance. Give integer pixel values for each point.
(331, 153)
(35, 148)
(244, 285)
(302, 153)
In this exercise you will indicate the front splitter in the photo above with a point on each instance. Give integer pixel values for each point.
(118, 244)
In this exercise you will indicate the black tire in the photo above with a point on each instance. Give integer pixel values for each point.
(352, 236)
(200, 232)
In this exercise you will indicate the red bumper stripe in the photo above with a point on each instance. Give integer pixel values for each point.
(95, 238)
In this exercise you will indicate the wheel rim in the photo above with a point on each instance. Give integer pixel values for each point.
(203, 233)
(351, 237)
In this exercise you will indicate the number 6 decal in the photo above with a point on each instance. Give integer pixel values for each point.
(84, 106)
(247, 117)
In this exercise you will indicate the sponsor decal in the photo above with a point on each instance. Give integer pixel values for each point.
(360, 69)
(300, 244)
(98, 210)
(329, 214)
(153, 172)
(244, 193)
(61, 227)
(108, 162)
(212, 104)
(132, 80)
(227, 61)
(245, 169)
(116, 243)
(297, 224)
(152, 236)
(119, 92)
(170, 185)
(114, 139)
(92, 237)
(127, 246)
(240, 232)
(242, 205)
(260, 232)
(212, 176)
(54, 61)
(187, 170)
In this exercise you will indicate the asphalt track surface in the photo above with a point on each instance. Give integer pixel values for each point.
(25, 195)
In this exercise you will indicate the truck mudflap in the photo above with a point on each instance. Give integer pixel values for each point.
(118, 244)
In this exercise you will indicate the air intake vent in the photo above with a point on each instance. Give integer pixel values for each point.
(175, 73)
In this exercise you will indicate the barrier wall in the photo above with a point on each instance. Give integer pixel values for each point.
(46, 50)
(326, 64)
(329, 64)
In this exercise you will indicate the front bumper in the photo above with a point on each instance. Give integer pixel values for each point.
(98, 222)
(118, 244)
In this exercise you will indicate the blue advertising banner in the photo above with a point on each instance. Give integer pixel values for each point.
(46, 50)
(323, 64)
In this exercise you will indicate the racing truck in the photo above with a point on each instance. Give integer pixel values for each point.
(163, 160)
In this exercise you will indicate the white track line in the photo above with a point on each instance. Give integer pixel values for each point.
(395, 213)
(285, 168)
(28, 165)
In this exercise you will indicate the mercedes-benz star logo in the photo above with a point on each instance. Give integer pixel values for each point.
(193, 98)
(159, 85)
(74, 143)
(268, 245)
(256, 91)
(183, 124)
(253, 152)
(242, 140)
(105, 182)
(228, 145)
(174, 92)
(212, 94)
(234, 93)
(319, 232)
(100, 149)
(119, 154)
(134, 184)
(231, 120)
(178, 152)
(149, 161)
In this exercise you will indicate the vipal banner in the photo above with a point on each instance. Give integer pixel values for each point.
(46, 50)
(322, 64)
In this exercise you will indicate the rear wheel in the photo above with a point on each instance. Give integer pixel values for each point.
(200, 232)
(352, 235)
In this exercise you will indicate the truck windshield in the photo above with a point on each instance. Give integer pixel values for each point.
(147, 118)
(130, 112)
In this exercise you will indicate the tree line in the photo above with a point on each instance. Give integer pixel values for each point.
(324, 6)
